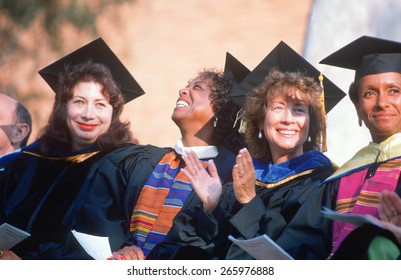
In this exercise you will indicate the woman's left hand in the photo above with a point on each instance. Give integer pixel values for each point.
(244, 177)
(396, 230)
(390, 207)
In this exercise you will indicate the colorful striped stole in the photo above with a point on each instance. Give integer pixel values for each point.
(359, 194)
(160, 200)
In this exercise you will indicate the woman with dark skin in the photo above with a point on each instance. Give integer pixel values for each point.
(356, 187)
(206, 119)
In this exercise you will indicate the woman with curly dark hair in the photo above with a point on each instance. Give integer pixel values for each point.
(274, 192)
(206, 117)
(212, 123)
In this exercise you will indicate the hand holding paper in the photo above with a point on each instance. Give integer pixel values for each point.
(98, 247)
(356, 219)
(11, 236)
(262, 248)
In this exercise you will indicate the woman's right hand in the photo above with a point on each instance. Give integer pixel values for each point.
(207, 187)
(244, 177)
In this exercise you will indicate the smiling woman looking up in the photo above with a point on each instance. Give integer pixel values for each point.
(206, 119)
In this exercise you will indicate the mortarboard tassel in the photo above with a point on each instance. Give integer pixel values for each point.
(242, 126)
(323, 136)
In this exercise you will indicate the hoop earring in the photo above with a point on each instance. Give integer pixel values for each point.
(260, 136)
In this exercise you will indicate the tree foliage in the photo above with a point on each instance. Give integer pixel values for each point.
(81, 14)
(30, 30)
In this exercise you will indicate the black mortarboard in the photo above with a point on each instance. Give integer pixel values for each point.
(97, 51)
(285, 59)
(367, 55)
(237, 69)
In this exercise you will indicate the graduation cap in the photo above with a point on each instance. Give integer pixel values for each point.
(285, 59)
(239, 72)
(237, 69)
(99, 52)
(367, 55)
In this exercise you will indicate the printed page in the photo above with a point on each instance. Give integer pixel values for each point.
(11, 236)
(356, 219)
(98, 247)
(262, 248)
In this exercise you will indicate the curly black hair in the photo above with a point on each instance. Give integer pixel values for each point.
(225, 111)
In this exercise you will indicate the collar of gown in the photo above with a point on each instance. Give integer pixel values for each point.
(272, 173)
(372, 153)
(202, 152)
(71, 156)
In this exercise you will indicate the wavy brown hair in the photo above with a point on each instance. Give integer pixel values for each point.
(285, 84)
(56, 135)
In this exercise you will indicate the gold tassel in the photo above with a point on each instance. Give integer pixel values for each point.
(323, 134)
(242, 126)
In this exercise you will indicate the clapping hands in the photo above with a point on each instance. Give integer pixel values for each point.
(207, 186)
(244, 177)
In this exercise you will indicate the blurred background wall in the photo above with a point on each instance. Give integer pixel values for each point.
(164, 43)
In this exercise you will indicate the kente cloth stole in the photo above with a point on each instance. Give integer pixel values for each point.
(358, 194)
(160, 200)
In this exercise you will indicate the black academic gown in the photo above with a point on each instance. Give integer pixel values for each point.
(355, 246)
(190, 213)
(289, 213)
(50, 197)
(224, 162)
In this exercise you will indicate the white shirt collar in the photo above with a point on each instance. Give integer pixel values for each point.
(201, 151)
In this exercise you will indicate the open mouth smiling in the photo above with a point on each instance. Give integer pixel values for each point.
(181, 104)
(286, 132)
